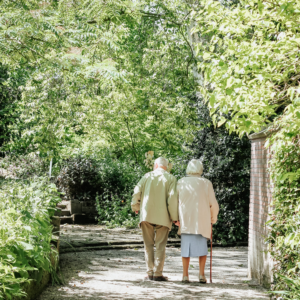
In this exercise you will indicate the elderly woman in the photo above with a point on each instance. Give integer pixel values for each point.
(198, 209)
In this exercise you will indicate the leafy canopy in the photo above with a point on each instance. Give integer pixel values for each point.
(113, 70)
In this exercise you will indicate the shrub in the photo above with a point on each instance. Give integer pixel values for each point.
(83, 177)
(118, 177)
(10, 81)
(79, 178)
(24, 166)
(115, 210)
(107, 181)
(25, 232)
(284, 224)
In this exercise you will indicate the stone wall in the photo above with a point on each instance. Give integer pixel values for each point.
(259, 262)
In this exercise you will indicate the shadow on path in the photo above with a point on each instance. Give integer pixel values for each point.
(118, 274)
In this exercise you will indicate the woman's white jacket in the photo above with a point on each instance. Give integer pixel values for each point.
(198, 207)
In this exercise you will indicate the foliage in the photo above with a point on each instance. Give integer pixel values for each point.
(284, 224)
(226, 162)
(115, 210)
(149, 162)
(78, 178)
(118, 75)
(250, 60)
(293, 288)
(10, 95)
(83, 177)
(117, 71)
(23, 166)
(33, 31)
(249, 56)
(25, 232)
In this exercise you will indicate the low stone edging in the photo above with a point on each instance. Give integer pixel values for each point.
(39, 280)
(121, 245)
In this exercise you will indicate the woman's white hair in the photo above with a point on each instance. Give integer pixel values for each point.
(194, 167)
(161, 161)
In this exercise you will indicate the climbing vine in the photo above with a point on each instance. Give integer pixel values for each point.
(284, 224)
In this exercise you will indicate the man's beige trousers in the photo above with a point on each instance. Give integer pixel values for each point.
(155, 235)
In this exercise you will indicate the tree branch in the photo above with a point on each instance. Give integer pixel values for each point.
(131, 137)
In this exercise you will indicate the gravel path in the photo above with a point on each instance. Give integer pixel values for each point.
(78, 235)
(118, 274)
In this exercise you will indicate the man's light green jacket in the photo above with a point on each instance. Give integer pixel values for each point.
(155, 196)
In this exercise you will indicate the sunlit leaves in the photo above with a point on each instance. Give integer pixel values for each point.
(252, 56)
(110, 73)
(25, 232)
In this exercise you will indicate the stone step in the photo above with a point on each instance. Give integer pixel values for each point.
(66, 220)
(94, 243)
(80, 218)
(55, 221)
(62, 206)
(75, 207)
(110, 247)
(89, 210)
(65, 212)
(56, 230)
(57, 212)
(64, 202)
(55, 243)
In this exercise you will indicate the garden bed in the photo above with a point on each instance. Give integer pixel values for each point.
(27, 256)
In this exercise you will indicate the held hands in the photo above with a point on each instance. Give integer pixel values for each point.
(177, 223)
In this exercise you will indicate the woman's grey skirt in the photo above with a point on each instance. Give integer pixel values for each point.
(193, 245)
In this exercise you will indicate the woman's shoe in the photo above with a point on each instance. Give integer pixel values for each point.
(185, 279)
(202, 279)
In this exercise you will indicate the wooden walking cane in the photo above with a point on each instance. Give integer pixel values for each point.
(211, 253)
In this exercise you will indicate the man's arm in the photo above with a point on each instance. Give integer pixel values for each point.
(172, 200)
(137, 194)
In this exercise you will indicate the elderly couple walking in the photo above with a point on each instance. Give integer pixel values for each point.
(190, 204)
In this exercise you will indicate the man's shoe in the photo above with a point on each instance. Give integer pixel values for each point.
(160, 278)
(185, 279)
(202, 279)
(149, 277)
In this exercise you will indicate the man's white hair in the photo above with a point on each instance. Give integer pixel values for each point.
(194, 167)
(161, 162)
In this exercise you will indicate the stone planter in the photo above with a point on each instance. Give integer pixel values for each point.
(40, 280)
(74, 206)
(89, 208)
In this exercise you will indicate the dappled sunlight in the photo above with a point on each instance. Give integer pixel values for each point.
(118, 274)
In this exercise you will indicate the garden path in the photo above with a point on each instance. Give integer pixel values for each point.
(93, 235)
(118, 274)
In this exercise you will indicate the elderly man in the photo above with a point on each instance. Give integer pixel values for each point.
(155, 196)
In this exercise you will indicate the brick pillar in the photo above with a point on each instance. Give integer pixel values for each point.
(259, 262)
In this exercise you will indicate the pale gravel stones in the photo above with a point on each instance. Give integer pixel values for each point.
(118, 274)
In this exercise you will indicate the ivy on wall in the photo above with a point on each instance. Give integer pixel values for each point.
(284, 224)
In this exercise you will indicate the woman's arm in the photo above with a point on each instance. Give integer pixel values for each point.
(214, 206)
